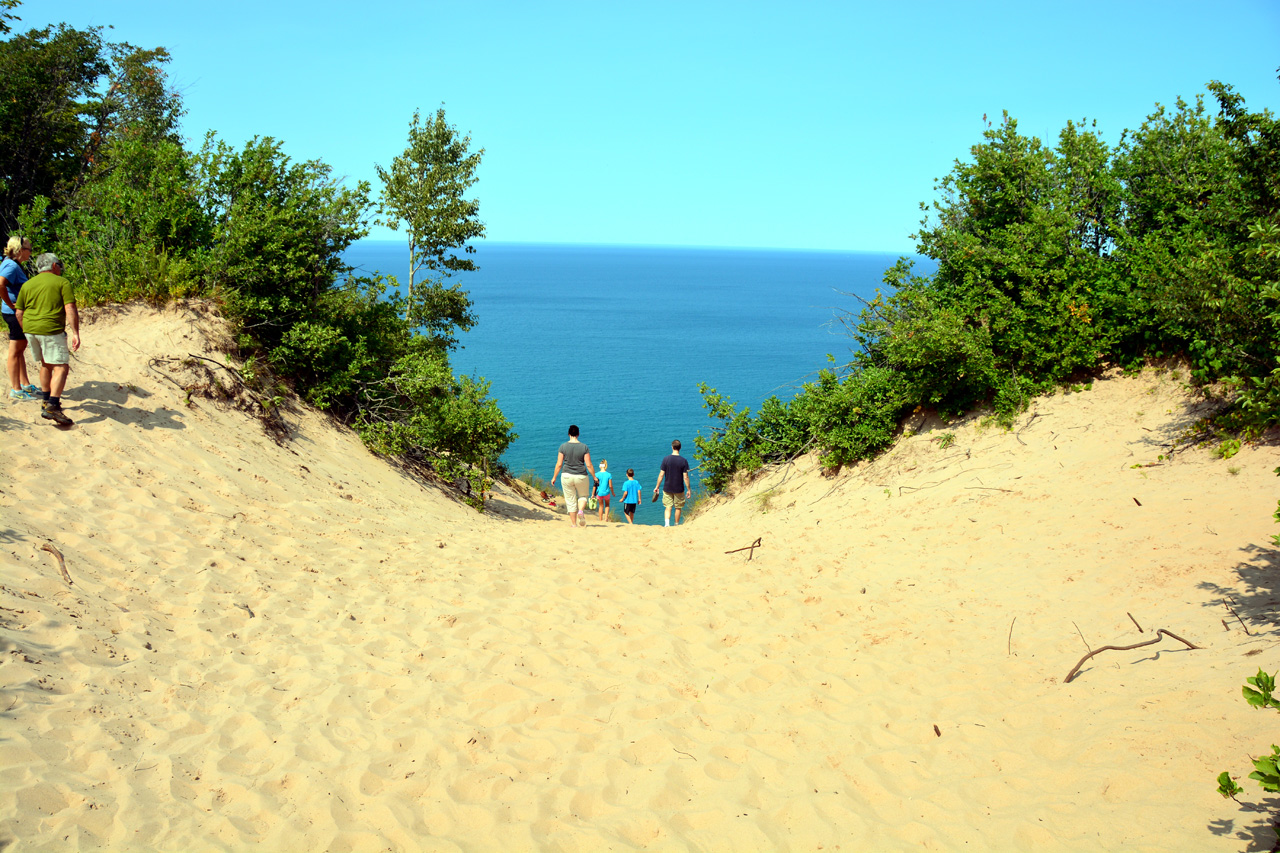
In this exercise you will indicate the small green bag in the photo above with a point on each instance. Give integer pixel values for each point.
(592, 503)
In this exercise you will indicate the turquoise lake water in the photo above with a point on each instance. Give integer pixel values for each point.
(616, 339)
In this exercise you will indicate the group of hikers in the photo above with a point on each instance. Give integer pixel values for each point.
(38, 312)
(580, 483)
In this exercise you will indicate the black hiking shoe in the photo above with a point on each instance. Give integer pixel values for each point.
(54, 413)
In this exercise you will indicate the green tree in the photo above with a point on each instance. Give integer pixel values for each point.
(65, 95)
(47, 79)
(279, 229)
(425, 192)
(1018, 249)
(6, 15)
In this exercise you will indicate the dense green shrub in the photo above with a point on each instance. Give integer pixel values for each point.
(1051, 262)
(133, 214)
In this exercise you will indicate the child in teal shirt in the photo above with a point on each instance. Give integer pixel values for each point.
(604, 489)
(630, 496)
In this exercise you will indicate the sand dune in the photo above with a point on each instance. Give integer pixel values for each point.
(298, 647)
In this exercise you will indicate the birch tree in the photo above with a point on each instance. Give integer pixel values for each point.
(424, 192)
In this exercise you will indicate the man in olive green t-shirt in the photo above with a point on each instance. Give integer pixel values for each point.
(46, 307)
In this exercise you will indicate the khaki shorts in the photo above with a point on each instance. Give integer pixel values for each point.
(670, 500)
(576, 489)
(49, 349)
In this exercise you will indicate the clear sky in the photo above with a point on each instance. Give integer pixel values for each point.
(816, 125)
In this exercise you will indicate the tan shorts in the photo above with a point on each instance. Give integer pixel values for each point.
(670, 500)
(49, 349)
(576, 489)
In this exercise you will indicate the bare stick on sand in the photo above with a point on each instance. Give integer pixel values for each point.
(752, 548)
(1155, 639)
(57, 555)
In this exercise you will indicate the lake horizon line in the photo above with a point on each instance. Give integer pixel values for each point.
(524, 244)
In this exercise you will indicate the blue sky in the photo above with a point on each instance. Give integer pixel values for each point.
(797, 125)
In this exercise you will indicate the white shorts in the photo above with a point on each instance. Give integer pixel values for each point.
(49, 349)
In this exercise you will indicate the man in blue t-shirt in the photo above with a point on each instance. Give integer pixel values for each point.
(673, 480)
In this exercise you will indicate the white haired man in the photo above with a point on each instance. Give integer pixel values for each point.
(46, 309)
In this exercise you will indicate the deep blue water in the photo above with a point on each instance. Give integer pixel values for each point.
(616, 339)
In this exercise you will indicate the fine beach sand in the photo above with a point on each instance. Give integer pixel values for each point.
(297, 647)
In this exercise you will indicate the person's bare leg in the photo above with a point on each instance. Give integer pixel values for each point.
(16, 363)
(58, 379)
(46, 376)
(677, 515)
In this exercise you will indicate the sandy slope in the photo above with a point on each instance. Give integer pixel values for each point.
(297, 647)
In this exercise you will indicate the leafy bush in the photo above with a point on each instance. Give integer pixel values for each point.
(1050, 262)
(1258, 692)
(108, 185)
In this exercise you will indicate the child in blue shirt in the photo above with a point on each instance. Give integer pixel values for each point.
(604, 489)
(630, 496)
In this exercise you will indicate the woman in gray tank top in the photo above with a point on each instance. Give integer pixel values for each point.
(575, 482)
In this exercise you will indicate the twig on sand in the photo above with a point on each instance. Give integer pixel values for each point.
(1018, 434)
(1135, 622)
(1009, 646)
(1082, 639)
(57, 555)
(752, 548)
(1159, 632)
(1238, 619)
(683, 753)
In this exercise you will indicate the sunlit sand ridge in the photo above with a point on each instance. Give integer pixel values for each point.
(298, 647)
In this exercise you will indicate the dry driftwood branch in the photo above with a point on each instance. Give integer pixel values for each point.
(1159, 632)
(752, 548)
(57, 555)
(1135, 622)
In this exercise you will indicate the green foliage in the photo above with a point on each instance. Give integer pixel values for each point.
(1203, 244)
(858, 417)
(1052, 261)
(137, 228)
(420, 411)
(1227, 786)
(425, 191)
(69, 95)
(1258, 692)
(1275, 540)
(92, 167)
(733, 447)
(49, 76)
(279, 231)
(1259, 689)
(6, 16)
